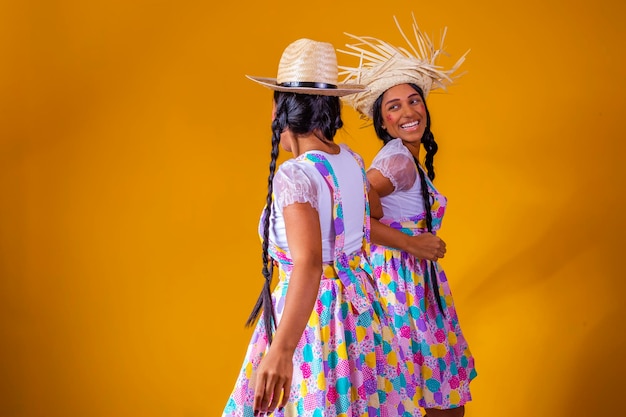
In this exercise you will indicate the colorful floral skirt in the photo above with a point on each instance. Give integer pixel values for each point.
(434, 340)
(346, 364)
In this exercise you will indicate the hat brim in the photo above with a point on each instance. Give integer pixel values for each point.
(340, 91)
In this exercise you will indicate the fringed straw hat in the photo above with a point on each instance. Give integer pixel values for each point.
(383, 66)
(309, 67)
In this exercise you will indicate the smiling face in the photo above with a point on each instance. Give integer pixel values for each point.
(404, 114)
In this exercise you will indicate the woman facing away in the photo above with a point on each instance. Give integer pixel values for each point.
(407, 211)
(321, 346)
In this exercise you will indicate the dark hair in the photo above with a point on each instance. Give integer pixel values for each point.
(302, 114)
(428, 141)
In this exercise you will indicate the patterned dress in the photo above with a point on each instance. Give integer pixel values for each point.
(348, 361)
(434, 340)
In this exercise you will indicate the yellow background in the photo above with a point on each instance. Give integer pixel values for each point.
(133, 164)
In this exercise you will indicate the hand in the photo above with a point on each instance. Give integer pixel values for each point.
(427, 246)
(273, 381)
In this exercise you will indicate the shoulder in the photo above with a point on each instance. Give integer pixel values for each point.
(297, 171)
(296, 182)
(349, 153)
(394, 150)
(394, 147)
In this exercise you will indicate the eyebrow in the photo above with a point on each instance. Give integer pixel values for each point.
(397, 99)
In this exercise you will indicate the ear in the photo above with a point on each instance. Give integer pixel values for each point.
(273, 110)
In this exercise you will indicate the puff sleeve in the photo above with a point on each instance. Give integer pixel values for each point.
(293, 184)
(398, 167)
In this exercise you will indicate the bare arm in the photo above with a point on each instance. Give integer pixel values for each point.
(423, 246)
(305, 246)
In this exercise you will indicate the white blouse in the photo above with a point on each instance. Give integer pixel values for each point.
(395, 162)
(298, 181)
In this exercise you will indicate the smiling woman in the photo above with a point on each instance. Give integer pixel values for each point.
(407, 211)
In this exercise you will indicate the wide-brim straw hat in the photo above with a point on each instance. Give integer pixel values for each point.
(382, 66)
(309, 67)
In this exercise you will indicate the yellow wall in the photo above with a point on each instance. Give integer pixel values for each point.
(133, 158)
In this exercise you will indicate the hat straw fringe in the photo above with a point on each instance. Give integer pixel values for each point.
(372, 52)
(382, 65)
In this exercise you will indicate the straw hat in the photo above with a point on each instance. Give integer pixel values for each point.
(383, 66)
(308, 67)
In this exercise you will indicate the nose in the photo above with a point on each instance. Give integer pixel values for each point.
(408, 111)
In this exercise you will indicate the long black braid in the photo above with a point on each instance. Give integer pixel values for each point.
(265, 298)
(301, 113)
(426, 196)
(428, 141)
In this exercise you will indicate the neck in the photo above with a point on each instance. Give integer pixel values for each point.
(312, 142)
(414, 148)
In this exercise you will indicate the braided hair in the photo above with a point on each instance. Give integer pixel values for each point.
(428, 141)
(301, 114)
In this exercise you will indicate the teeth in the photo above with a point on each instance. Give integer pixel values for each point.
(412, 124)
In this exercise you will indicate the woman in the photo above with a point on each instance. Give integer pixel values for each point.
(320, 347)
(407, 211)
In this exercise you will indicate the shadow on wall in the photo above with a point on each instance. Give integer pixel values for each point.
(559, 299)
(595, 381)
(564, 239)
(576, 228)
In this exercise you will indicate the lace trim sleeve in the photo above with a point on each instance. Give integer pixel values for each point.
(398, 168)
(293, 185)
